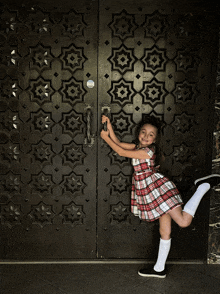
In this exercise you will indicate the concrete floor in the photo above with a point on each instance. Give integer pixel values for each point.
(106, 278)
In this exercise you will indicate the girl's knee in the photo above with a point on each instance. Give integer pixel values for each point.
(184, 224)
(182, 218)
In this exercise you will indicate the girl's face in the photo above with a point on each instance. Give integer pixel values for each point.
(147, 135)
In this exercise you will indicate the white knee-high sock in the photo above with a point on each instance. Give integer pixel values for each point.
(193, 203)
(164, 249)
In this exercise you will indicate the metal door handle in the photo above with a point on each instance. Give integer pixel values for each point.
(105, 126)
(88, 127)
(106, 111)
(89, 139)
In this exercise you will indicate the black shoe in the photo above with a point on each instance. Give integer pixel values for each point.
(152, 273)
(213, 180)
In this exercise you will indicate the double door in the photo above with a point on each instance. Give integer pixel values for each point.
(64, 193)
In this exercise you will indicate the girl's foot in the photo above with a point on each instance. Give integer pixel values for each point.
(151, 273)
(213, 180)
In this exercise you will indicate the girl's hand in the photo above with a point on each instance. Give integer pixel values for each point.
(104, 134)
(106, 119)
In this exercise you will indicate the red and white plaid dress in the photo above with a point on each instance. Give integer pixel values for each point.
(152, 193)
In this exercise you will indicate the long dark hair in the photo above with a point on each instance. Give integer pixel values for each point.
(151, 120)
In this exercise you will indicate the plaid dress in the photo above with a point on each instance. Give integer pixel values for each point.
(152, 193)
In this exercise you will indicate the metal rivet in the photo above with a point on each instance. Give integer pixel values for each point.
(90, 84)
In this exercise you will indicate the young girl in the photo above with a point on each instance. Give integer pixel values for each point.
(153, 195)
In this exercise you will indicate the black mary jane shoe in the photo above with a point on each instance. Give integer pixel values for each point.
(213, 180)
(151, 273)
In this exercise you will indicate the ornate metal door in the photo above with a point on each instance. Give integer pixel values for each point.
(48, 122)
(155, 58)
(64, 193)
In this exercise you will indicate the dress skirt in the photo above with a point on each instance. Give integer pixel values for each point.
(153, 195)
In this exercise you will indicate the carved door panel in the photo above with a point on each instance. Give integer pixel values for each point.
(48, 119)
(154, 60)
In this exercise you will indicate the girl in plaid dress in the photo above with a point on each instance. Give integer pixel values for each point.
(153, 195)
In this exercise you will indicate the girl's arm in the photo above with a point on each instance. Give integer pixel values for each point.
(137, 154)
(128, 146)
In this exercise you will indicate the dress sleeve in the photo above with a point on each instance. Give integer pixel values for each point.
(150, 151)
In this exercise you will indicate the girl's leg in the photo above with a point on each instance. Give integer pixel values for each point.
(184, 217)
(164, 248)
(165, 226)
(165, 242)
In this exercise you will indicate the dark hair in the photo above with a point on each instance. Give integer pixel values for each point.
(151, 120)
